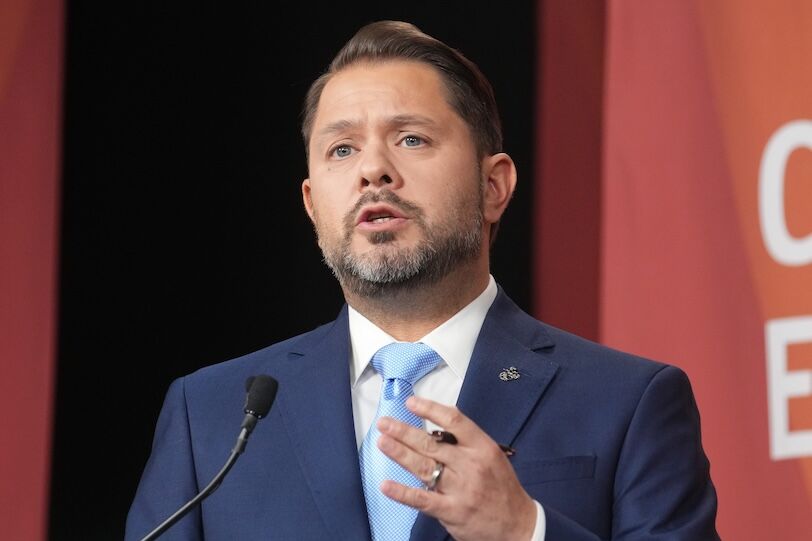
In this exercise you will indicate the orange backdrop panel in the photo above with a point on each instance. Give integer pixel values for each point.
(694, 92)
(30, 90)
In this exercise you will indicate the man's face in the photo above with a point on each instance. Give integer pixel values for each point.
(395, 188)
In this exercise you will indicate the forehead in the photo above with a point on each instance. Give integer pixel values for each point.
(363, 91)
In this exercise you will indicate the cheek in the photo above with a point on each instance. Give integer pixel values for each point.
(330, 189)
(455, 190)
(322, 211)
(325, 196)
(331, 219)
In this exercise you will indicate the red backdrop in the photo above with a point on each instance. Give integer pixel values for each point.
(30, 90)
(675, 198)
(703, 231)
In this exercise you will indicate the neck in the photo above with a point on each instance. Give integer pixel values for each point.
(409, 314)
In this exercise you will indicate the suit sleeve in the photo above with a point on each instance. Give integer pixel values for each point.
(168, 480)
(662, 489)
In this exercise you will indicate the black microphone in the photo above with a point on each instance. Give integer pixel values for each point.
(261, 394)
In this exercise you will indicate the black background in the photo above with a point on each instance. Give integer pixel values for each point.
(184, 241)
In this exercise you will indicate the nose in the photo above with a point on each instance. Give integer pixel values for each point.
(377, 169)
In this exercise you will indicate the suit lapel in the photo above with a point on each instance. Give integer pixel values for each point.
(509, 339)
(318, 415)
(315, 395)
(508, 343)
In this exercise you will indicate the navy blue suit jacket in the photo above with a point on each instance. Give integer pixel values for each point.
(608, 443)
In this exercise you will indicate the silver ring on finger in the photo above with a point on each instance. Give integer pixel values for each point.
(435, 476)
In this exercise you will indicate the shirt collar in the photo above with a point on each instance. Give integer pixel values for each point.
(453, 340)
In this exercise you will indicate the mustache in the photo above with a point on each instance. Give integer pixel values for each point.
(385, 196)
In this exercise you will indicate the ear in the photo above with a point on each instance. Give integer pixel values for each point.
(307, 198)
(500, 181)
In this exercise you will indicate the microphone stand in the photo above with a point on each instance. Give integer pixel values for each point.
(239, 447)
(261, 394)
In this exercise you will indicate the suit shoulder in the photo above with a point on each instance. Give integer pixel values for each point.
(262, 360)
(587, 350)
(564, 347)
(614, 379)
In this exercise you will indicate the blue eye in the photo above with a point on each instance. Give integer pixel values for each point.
(342, 151)
(412, 141)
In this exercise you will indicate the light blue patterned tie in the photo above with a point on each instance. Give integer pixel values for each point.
(400, 365)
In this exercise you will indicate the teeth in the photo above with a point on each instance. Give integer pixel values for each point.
(381, 219)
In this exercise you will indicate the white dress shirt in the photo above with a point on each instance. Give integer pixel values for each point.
(454, 341)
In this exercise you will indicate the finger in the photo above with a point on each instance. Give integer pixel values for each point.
(448, 417)
(417, 439)
(421, 466)
(423, 500)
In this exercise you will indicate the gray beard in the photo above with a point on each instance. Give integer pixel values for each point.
(390, 271)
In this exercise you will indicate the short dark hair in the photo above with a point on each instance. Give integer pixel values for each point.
(469, 91)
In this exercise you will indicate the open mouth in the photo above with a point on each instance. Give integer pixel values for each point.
(378, 214)
(379, 219)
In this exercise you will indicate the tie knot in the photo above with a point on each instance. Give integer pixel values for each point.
(407, 361)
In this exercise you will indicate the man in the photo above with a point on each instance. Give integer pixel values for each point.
(552, 437)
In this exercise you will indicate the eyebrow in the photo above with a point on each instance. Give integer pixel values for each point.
(395, 121)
